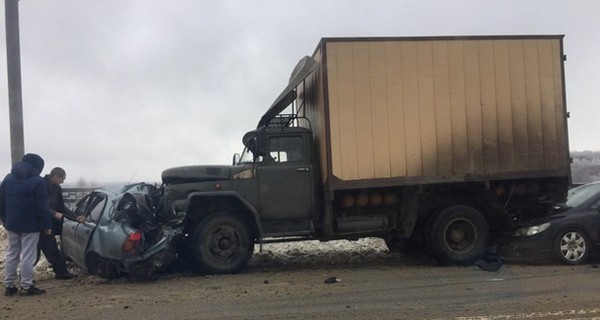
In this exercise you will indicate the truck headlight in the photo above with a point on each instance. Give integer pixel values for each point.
(530, 231)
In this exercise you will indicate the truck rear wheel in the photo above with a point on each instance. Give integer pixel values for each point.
(459, 235)
(222, 244)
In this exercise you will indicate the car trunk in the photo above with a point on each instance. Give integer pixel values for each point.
(136, 211)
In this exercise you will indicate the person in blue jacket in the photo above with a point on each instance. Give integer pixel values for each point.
(24, 214)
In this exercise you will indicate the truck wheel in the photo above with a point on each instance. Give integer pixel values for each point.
(222, 244)
(459, 235)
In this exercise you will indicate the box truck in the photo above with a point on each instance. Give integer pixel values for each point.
(431, 143)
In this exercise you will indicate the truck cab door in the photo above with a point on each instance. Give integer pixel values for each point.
(286, 179)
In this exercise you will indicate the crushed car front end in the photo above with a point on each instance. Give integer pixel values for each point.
(528, 243)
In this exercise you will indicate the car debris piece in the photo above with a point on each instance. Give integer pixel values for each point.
(332, 280)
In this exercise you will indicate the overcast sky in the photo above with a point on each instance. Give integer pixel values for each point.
(118, 90)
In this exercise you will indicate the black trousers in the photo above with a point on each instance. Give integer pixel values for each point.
(49, 247)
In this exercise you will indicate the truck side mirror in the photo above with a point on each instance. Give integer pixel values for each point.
(236, 159)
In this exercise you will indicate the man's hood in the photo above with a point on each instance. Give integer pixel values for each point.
(35, 161)
(30, 166)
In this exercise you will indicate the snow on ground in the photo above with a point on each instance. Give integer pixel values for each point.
(317, 252)
(273, 254)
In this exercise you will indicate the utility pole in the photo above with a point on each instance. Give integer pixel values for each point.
(15, 97)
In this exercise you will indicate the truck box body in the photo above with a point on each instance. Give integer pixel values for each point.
(389, 111)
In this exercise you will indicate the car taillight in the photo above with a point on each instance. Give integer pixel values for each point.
(133, 244)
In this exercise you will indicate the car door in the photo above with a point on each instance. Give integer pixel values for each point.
(70, 224)
(76, 236)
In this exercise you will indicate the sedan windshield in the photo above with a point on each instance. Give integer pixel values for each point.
(581, 194)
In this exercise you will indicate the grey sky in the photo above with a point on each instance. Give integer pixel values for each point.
(115, 90)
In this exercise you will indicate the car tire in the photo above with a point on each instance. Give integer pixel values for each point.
(458, 235)
(572, 246)
(101, 267)
(222, 243)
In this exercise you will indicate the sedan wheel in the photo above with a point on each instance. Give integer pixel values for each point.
(101, 267)
(572, 247)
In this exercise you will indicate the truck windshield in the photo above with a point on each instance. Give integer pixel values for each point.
(248, 157)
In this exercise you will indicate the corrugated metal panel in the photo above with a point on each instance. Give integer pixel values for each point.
(443, 107)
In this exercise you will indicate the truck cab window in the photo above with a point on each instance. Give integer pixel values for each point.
(286, 149)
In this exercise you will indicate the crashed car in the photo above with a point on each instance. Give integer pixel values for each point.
(569, 234)
(120, 234)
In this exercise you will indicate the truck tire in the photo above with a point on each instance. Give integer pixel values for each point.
(222, 244)
(459, 235)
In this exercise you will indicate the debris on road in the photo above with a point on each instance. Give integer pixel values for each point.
(332, 280)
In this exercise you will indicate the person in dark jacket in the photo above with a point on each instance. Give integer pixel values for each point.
(58, 209)
(24, 214)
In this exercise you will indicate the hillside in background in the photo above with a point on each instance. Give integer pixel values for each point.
(585, 166)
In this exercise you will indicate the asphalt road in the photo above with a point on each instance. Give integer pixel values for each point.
(377, 288)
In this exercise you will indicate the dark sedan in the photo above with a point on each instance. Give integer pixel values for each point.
(120, 234)
(571, 234)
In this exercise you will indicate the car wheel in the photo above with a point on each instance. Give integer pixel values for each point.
(222, 243)
(101, 267)
(572, 247)
(458, 235)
